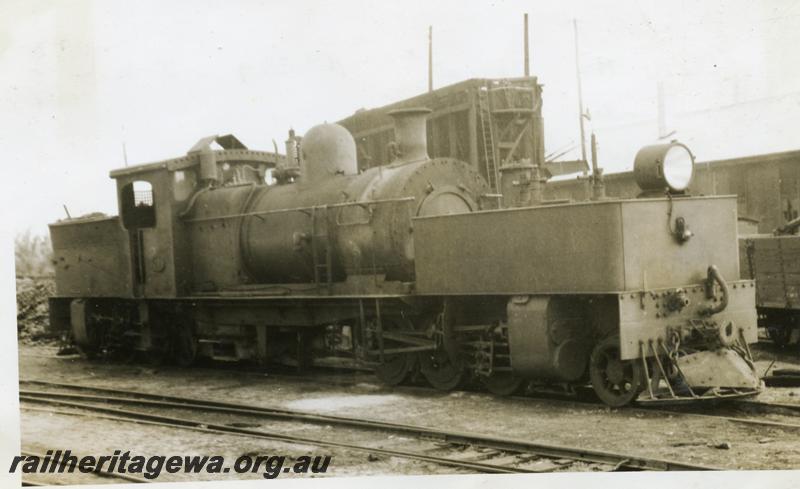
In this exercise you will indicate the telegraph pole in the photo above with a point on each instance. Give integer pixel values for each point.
(527, 59)
(580, 91)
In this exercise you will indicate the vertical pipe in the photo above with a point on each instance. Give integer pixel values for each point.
(598, 184)
(430, 58)
(580, 91)
(527, 59)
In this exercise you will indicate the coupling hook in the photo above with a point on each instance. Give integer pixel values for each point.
(713, 275)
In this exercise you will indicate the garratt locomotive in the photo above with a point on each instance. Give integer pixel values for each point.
(414, 267)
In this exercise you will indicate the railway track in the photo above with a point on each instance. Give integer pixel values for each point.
(736, 410)
(470, 451)
(348, 375)
(736, 407)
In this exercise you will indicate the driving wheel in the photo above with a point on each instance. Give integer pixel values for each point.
(396, 368)
(616, 382)
(440, 371)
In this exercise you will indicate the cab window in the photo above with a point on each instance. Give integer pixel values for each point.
(138, 208)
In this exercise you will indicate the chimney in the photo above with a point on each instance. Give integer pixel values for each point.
(410, 133)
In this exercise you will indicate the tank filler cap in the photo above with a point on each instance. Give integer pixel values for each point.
(327, 150)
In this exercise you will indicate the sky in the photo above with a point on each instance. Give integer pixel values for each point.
(79, 79)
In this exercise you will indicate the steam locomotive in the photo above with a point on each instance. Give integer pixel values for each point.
(414, 268)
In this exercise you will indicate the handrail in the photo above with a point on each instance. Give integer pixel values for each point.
(299, 209)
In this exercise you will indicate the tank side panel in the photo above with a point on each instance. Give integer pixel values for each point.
(92, 259)
(549, 249)
(656, 259)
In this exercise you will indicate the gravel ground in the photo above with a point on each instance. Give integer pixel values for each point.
(684, 438)
(86, 435)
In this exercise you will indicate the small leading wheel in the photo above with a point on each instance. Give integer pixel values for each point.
(441, 372)
(616, 382)
(504, 384)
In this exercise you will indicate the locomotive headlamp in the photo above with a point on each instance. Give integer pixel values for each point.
(667, 166)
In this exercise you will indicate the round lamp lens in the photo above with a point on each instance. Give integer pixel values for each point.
(678, 167)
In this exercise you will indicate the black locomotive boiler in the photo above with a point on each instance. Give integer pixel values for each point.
(413, 267)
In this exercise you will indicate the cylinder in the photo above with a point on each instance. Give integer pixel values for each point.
(410, 132)
(548, 338)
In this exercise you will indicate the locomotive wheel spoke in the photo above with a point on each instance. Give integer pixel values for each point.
(616, 382)
(440, 371)
(396, 369)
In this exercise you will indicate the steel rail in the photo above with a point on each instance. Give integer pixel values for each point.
(763, 406)
(651, 409)
(277, 412)
(770, 405)
(497, 443)
(205, 427)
